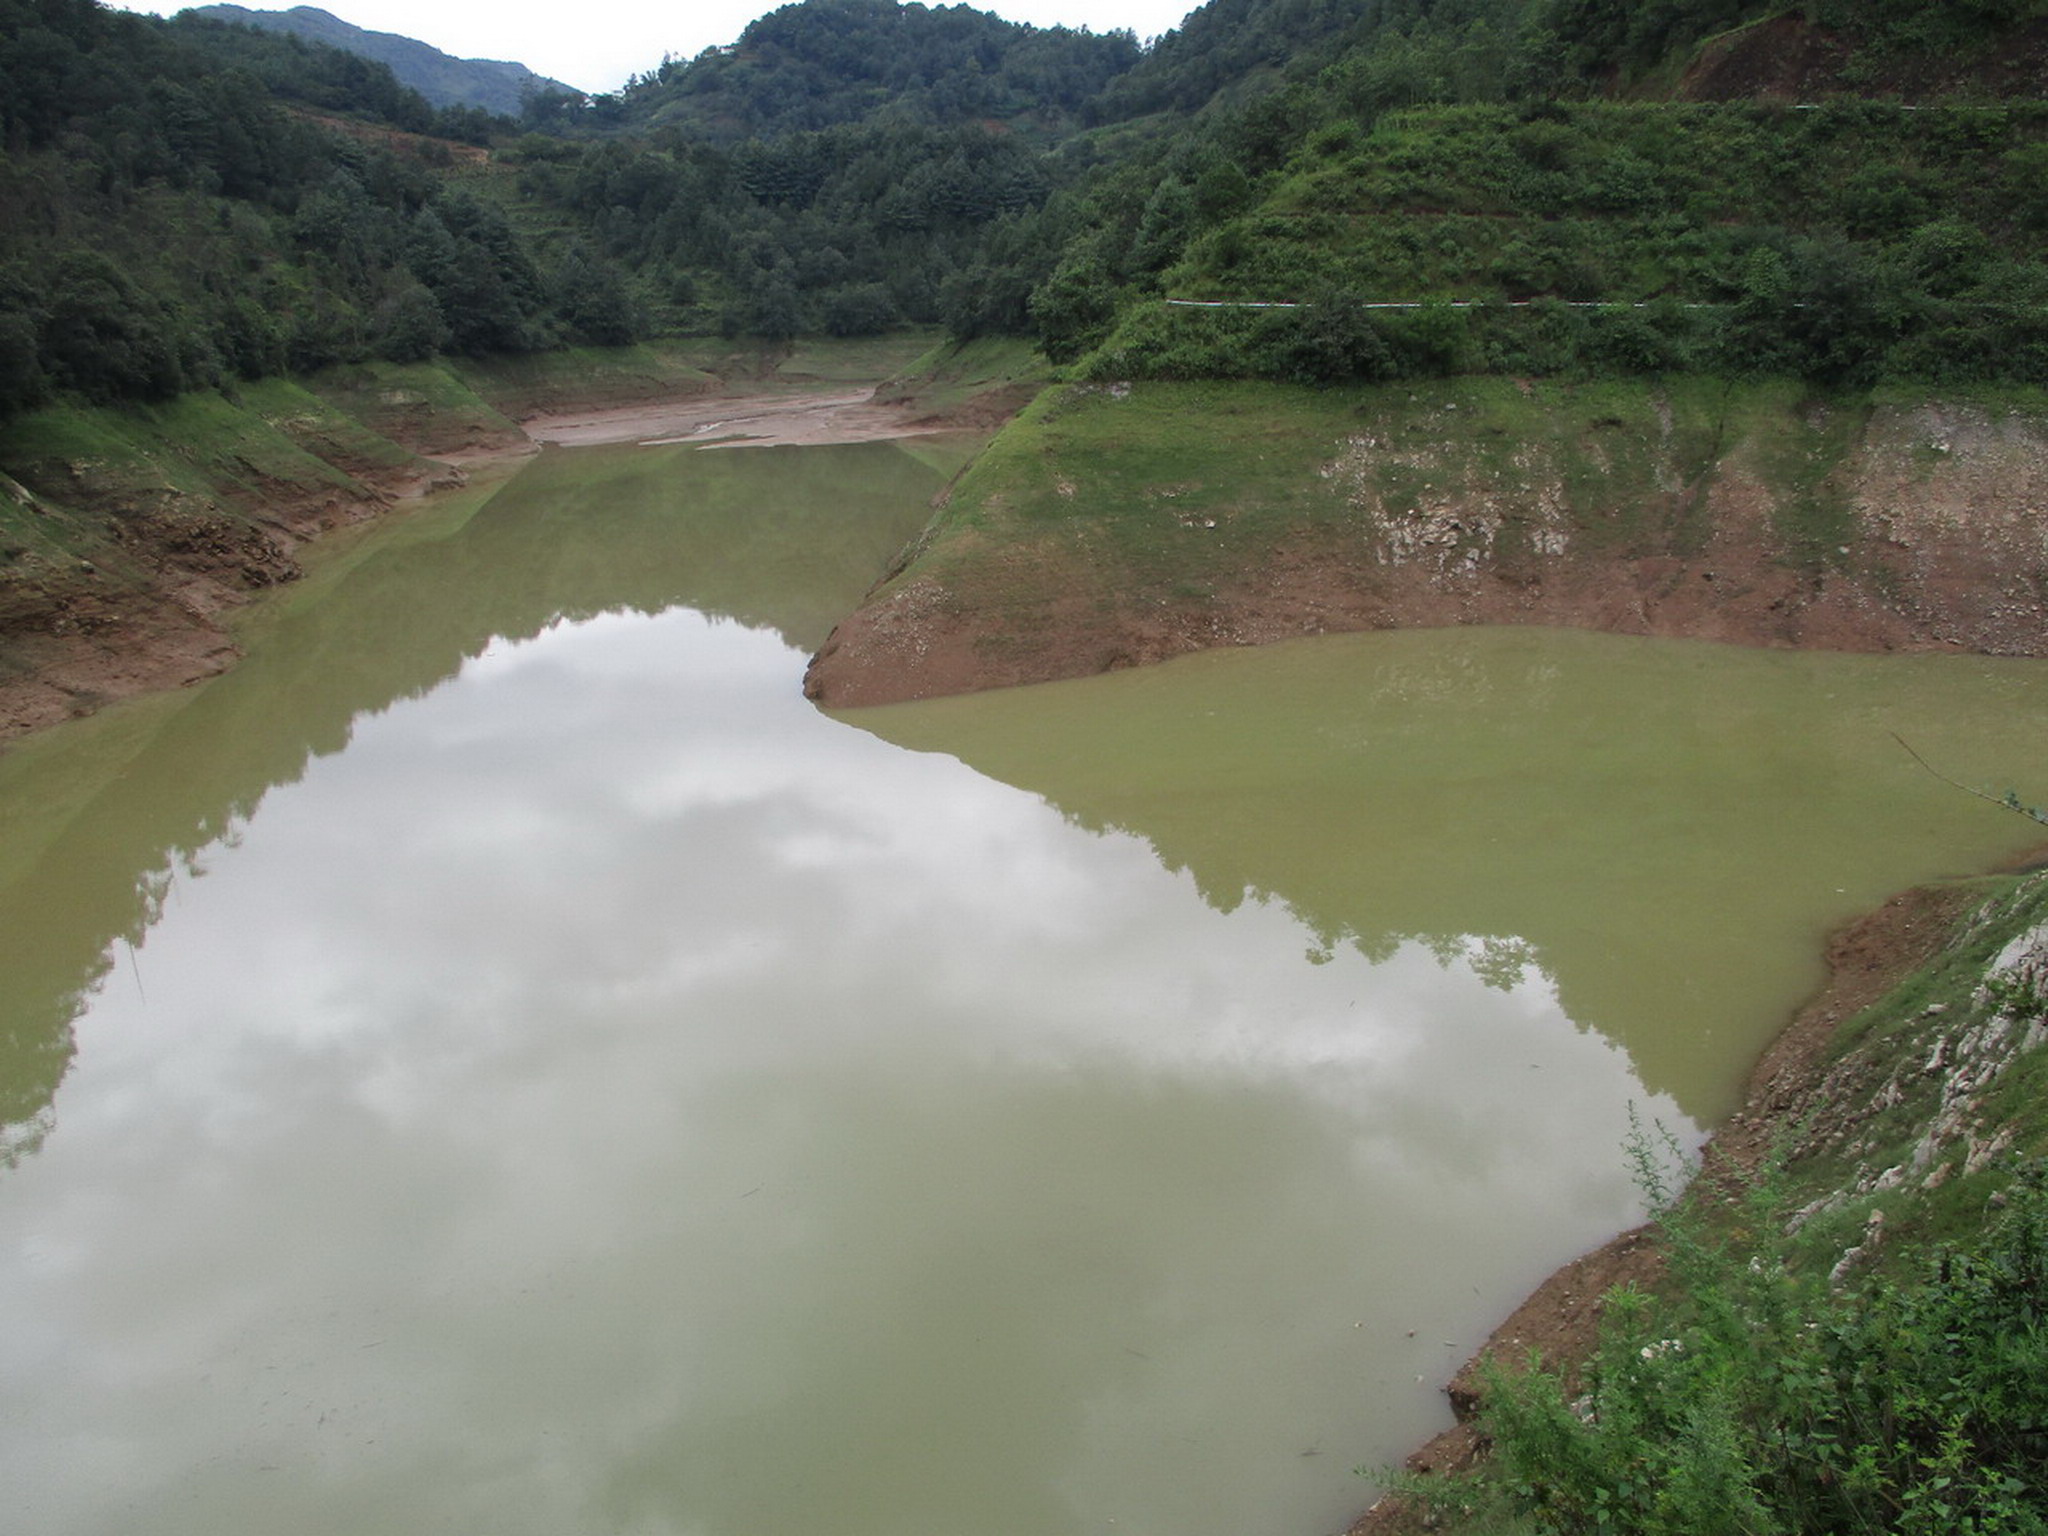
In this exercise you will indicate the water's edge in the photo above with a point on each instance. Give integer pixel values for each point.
(100, 663)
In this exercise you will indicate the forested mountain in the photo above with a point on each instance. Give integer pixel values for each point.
(1552, 185)
(177, 213)
(1845, 191)
(823, 63)
(175, 216)
(1225, 47)
(495, 86)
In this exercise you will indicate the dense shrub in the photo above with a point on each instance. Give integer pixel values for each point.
(1758, 1400)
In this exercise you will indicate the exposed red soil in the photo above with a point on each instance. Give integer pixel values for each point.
(412, 146)
(1788, 59)
(1781, 59)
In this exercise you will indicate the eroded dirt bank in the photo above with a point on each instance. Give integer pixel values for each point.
(127, 568)
(1867, 526)
(136, 599)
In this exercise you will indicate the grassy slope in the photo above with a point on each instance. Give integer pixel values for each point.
(1921, 1103)
(95, 475)
(1895, 1131)
(1617, 200)
(1164, 516)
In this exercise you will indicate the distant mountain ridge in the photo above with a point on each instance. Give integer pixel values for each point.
(492, 84)
(816, 64)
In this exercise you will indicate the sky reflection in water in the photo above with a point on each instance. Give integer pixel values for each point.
(612, 1096)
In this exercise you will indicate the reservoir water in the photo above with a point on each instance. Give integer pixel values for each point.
(500, 1060)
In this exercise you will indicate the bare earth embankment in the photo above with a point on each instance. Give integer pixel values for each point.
(1102, 532)
(743, 420)
(129, 564)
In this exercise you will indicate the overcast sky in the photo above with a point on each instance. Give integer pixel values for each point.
(595, 44)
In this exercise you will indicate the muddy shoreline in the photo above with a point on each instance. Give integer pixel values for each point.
(78, 636)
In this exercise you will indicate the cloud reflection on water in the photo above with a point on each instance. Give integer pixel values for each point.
(563, 1111)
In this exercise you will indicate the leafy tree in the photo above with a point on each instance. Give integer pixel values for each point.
(102, 336)
(1075, 307)
(860, 310)
(407, 325)
(589, 294)
(21, 372)
(1337, 341)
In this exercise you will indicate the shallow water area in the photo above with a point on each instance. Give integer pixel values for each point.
(501, 1060)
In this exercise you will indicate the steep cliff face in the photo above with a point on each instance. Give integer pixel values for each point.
(1738, 513)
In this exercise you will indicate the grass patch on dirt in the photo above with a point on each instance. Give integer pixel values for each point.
(272, 439)
(423, 404)
(38, 534)
(855, 359)
(1178, 486)
(322, 430)
(950, 376)
(1148, 489)
(806, 363)
(234, 452)
(526, 384)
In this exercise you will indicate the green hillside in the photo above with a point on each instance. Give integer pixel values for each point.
(1850, 193)
(492, 85)
(822, 63)
(1582, 208)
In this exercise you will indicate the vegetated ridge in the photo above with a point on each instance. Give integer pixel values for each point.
(497, 86)
(825, 63)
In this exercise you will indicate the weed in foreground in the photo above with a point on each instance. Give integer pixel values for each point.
(1758, 1399)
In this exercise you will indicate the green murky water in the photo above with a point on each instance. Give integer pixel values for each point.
(499, 1060)
(1665, 830)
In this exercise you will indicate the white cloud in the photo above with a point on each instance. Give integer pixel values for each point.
(603, 41)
